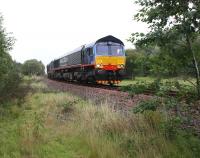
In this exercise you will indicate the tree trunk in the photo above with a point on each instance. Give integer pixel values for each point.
(195, 66)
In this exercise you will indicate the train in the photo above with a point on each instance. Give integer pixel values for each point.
(101, 62)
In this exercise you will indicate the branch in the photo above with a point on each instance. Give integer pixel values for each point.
(190, 82)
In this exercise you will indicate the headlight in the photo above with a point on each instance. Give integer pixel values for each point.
(99, 66)
(121, 66)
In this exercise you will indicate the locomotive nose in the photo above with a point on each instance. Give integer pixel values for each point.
(110, 62)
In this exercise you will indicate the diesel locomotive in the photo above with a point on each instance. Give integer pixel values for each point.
(102, 61)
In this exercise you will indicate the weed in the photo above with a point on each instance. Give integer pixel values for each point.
(153, 118)
(147, 105)
(137, 88)
(68, 106)
(38, 126)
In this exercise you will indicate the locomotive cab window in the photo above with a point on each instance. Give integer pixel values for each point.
(106, 49)
(102, 49)
(116, 50)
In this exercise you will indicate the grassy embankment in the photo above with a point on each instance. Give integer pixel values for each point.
(54, 124)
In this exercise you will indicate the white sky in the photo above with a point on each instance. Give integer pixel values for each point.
(47, 29)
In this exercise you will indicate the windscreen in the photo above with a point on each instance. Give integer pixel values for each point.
(109, 50)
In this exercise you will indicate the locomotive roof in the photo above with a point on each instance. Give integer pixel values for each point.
(73, 51)
(108, 38)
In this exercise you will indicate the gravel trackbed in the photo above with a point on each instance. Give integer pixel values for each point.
(116, 99)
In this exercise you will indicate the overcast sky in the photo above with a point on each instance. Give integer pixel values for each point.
(47, 29)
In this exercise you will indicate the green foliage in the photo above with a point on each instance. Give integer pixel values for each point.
(137, 88)
(142, 87)
(162, 88)
(171, 127)
(43, 126)
(33, 67)
(9, 75)
(18, 67)
(130, 62)
(167, 20)
(147, 105)
(159, 62)
(38, 126)
(174, 28)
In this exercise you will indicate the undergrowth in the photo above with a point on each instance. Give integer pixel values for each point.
(57, 124)
(167, 88)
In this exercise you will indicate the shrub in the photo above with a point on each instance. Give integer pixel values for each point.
(9, 82)
(147, 105)
(171, 127)
(9, 76)
(163, 89)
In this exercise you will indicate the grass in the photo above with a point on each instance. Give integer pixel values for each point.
(177, 87)
(129, 81)
(152, 79)
(60, 125)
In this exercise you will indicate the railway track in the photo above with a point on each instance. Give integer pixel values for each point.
(99, 94)
(100, 86)
(149, 92)
(170, 93)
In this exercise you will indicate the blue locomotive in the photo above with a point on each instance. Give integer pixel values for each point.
(102, 61)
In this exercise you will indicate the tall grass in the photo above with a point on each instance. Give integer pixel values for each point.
(54, 125)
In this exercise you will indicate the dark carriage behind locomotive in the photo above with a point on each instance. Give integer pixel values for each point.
(83, 64)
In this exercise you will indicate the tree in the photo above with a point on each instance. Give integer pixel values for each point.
(5, 45)
(130, 62)
(18, 66)
(170, 21)
(33, 67)
(9, 77)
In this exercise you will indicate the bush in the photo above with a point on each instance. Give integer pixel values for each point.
(147, 105)
(139, 87)
(9, 75)
(171, 127)
(163, 89)
(9, 83)
(142, 86)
